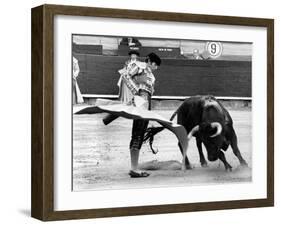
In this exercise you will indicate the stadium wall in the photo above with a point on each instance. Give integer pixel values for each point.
(175, 78)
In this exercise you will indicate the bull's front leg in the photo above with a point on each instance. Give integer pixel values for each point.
(201, 155)
(185, 162)
(236, 151)
(227, 166)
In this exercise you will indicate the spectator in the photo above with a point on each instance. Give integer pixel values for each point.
(130, 41)
(125, 94)
(76, 94)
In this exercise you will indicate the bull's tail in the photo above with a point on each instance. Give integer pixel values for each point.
(152, 131)
(149, 136)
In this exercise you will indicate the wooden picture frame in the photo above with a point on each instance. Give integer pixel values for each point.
(42, 203)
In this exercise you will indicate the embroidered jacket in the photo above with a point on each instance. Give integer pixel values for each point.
(138, 77)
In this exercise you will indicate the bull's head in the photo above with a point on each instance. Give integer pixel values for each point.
(211, 135)
(207, 129)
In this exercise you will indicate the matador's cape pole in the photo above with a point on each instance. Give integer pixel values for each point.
(132, 112)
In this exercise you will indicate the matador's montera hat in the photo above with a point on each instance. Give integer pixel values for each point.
(154, 58)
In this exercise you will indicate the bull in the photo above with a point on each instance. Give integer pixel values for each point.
(206, 119)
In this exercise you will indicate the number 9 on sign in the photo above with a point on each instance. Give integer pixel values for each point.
(214, 49)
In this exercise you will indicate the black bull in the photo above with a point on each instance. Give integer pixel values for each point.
(205, 118)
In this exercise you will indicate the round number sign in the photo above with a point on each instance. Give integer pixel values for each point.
(214, 49)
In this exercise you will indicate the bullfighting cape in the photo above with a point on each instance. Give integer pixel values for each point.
(132, 112)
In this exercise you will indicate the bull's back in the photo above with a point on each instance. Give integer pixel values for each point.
(190, 112)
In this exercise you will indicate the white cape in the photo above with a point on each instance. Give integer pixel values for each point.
(132, 112)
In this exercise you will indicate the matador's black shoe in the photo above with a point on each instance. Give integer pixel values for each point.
(135, 174)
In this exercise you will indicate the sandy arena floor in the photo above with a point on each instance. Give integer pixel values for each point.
(101, 156)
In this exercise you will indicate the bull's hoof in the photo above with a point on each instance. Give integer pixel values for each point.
(186, 167)
(228, 169)
(244, 164)
(204, 164)
(137, 174)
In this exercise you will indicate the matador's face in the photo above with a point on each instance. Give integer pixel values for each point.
(153, 66)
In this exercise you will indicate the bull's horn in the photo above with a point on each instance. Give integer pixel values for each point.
(219, 128)
(194, 130)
